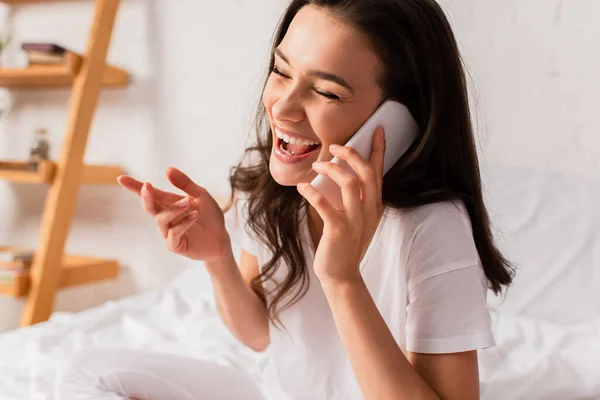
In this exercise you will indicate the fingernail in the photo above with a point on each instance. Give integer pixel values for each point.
(193, 214)
(334, 147)
(317, 165)
(381, 134)
(145, 189)
(184, 202)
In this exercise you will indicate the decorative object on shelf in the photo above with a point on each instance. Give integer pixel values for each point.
(44, 53)
(40, 149)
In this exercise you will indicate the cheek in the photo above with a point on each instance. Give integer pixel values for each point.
(332, 125)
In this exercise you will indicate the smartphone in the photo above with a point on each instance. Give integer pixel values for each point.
(401, 130)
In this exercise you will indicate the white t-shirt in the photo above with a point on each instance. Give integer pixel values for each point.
(424, 274)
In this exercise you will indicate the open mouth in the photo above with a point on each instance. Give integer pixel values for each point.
(294, 146)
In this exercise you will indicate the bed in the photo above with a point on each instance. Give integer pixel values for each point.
(547, 327)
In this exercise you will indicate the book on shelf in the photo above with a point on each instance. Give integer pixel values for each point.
(8, 276)
(14, 264)
(35, 57)
(44, 53)
(50, 48)
(6, 280)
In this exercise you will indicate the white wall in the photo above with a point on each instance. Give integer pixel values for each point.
(535, 65)
(197, 68)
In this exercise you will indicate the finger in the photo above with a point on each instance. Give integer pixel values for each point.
(167, 197)
(366, 173)
(183, 182)
(131, 184)
(172, 215)
(318, 201)
(175, 242)
(135, 186)
(348, 182)
(149, 203)
(377, 158)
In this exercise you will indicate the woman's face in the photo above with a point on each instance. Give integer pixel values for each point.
(323, 87)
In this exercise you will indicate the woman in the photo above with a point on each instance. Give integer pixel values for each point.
(384, 299)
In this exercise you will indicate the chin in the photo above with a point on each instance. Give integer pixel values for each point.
(290, 174)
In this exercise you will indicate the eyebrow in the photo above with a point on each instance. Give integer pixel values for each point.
(320, 74)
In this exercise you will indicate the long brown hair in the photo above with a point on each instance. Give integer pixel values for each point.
(424, 71)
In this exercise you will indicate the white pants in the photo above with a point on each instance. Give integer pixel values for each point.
(122, 374)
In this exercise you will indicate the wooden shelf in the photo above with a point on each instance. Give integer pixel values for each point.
(76, 270)
(57, 75)
(92, 174)
(101, 174)
(20, 172)
(16, 289)
(79, 270)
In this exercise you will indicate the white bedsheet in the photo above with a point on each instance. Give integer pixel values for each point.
(179, 319)
(539, 361)
(547, 329)
(548, 325)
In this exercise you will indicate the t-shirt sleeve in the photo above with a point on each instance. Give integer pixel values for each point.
(240, 233)
(447, 310)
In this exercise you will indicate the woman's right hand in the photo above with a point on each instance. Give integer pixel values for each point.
(193, 225)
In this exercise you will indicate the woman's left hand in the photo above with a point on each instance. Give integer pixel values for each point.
(348, 232)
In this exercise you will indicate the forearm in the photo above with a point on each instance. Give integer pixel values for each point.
(381, 369)
(242, 311)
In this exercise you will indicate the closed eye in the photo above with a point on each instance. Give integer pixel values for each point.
(327, 95)
(278, 72)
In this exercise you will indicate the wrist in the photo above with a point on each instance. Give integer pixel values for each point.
(223, 273)
(224, 262)
(335, 287)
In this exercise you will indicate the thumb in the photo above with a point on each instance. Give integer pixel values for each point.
(183, 182)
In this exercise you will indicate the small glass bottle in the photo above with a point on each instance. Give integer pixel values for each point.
(40, 149)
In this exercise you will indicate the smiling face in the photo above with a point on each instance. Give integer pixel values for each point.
(323, 87)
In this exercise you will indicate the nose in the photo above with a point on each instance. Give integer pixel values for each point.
(288, 107)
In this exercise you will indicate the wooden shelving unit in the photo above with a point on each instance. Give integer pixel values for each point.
(51, 269)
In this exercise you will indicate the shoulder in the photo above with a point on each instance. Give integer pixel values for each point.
(446, 215)
(438, 239)
(444, 219)
(440, 223)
